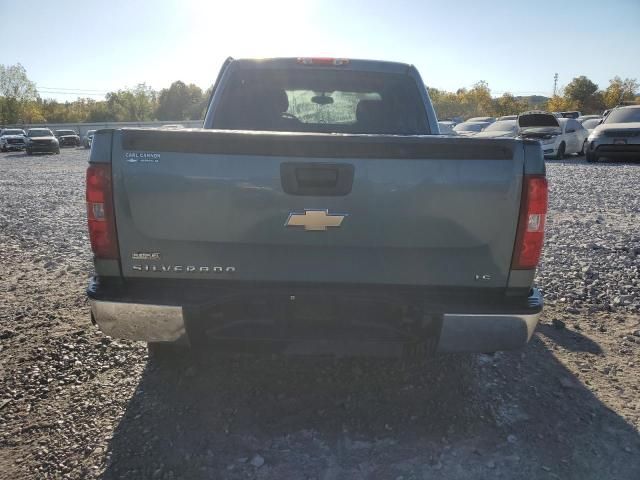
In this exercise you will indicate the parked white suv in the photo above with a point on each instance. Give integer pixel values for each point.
(558, 136)
(12, 139)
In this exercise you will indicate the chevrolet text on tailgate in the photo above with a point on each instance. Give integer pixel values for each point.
(318, 210)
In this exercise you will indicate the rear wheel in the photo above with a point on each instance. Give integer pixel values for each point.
(57, 152)
(561, 150)
(4, 148)
(29, 152)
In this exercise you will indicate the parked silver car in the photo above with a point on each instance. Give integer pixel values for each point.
(500, 129)
(584, 118)
(446, 127)
(617, 137)
(468, 129)
(482, 119)
(12, 139)
(87, 139)
(591, 123)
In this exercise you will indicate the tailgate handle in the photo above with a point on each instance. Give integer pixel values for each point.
(319, 179)
(316, 177)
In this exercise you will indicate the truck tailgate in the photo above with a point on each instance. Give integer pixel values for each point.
(421, 210)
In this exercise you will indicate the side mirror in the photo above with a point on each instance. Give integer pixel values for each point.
(600, 122)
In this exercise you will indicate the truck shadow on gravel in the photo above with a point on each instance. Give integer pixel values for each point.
(521, 415)
(570, 339)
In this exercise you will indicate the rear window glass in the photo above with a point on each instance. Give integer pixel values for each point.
(39, 132)
(623, 115)
(591, 123)
(502, 126)
(470, 127)
(325, 101)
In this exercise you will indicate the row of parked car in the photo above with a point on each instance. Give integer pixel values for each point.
(42, 140)
(616, 133)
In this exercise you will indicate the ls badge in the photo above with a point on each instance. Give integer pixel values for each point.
(314, 220)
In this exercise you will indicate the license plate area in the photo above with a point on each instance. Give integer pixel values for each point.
(310, 316)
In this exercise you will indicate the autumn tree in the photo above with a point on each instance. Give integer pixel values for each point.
(134, 104)
(620, 90)
(477, 100)
(180, 102)
(560, 103)
(32, 113)
(100, 112)
(16, 90)
(446, 104)
(582, 94)
(507, 104)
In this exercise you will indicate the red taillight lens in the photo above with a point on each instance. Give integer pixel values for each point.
(102, 225)
(533, 212)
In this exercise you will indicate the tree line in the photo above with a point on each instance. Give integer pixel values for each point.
(580, 94)
(20, 102)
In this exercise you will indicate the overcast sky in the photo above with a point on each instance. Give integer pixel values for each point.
(85, 48)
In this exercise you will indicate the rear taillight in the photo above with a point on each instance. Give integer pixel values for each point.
(533, 212)
(102, 225)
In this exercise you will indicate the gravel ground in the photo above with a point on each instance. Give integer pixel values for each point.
(77, 404)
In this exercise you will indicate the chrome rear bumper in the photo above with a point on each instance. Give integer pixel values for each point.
(460, 332)
(134, 321)
(490, 332)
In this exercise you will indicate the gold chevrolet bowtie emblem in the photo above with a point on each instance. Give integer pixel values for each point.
(314, 220)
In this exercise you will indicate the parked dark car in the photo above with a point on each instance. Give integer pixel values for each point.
(41, 140)
(618, 136)
(68, 138)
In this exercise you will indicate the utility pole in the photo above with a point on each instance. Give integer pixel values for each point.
(555, 84)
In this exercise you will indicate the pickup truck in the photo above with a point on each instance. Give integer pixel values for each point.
(318, 211)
